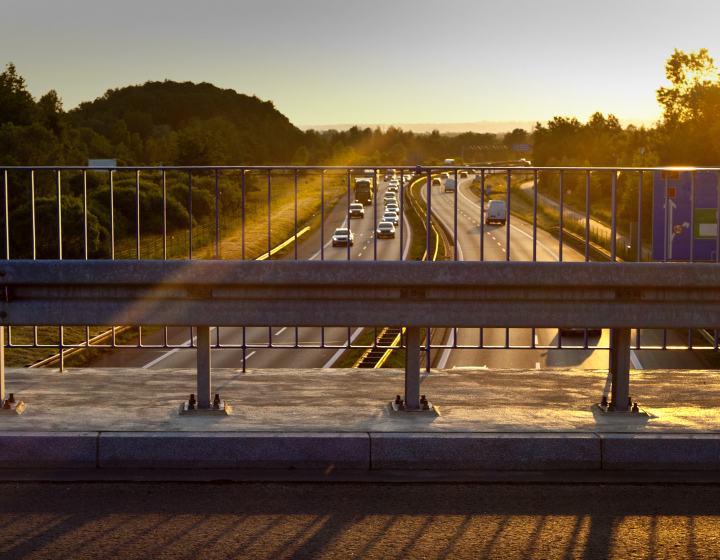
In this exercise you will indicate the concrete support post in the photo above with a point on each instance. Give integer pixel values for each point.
(412, 368)
(203, 367)
(620, 369)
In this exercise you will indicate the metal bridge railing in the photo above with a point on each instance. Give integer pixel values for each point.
(80, 213)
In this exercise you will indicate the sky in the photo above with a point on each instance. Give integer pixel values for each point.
(375, 61)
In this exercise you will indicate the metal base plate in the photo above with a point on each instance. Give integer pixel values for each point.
(224, 410)
(432, 410)
(602, 410)
(16, 408)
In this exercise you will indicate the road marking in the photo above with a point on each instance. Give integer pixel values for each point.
(359, 254)
(281, 330)
(537, 365)
(339, 352)
(634, 360)
(170, 352)
(250, 354)
(537, 343)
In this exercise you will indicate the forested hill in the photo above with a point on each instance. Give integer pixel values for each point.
(189, 124)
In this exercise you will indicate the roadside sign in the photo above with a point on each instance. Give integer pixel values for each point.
(522, 148)
(672, 232)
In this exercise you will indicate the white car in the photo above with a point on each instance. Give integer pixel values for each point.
(390, 197)
(343, 236)
(393, 188)
(392, 208)
(386, 229)
(390, 217)
(436, 182)
(394, 183)
(357, 210)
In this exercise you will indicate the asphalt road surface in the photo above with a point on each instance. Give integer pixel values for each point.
(373, 521)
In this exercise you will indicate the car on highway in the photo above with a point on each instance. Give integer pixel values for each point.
(357, 210)
(392, 207)
(463, 175)
(393, 188)
(386, 229)
(394, 183)
(407, 178)
(436, 182)
(496, 212)
(444, 175)
(390, 217)
(390, 196)
(343, 236)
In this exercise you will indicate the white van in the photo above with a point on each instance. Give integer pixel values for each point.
(496, 212)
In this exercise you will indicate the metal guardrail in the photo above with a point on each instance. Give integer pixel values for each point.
(413, 295)
(267, 177)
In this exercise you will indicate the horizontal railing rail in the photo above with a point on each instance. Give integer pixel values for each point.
(316, 294)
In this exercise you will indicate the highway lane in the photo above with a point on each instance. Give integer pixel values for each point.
(495, 247)
(317, 246)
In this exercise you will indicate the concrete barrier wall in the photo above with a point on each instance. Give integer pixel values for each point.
(362, 451)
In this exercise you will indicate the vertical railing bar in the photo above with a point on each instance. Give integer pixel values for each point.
(692, 216)
(402, 214)
(532, 338)
(639, 226)
(269, 221)
(455, 240)
(322, 221)
(58, 181)
(347, 214)
(164, 196)
(7, 228)
(482, 222)
(427, 342)
(217, 217)
(296, 220)
(59, 215)
(717, 231)
(32, 212)
(613, 224)
(507, 220)
(561, 212)
(638, 334)
(428, 228)
(112, 216)
(665, 233)
(85, 215)
(375, 194)
(137, 213)
(190, 222)
(242, 225)
(587, 216)
(535, 239)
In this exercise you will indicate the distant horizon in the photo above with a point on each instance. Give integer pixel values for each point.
(494, 127)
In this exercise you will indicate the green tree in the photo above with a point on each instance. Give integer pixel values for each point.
(17, 106)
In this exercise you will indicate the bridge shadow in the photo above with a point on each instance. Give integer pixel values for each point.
(181, 520)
